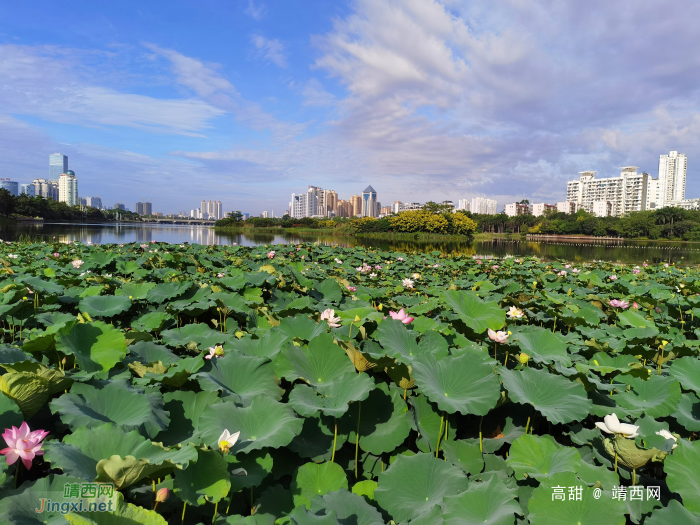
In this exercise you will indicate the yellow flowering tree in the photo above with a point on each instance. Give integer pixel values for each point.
(462, 224)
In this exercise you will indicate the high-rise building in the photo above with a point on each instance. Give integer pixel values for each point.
(144, 208)
(331, 203)
(672, 175)
(484, 206)
(53, 190)
(120, 206)
(464, 204)
(264, 215)
(515, 209)
(11, 186)
(58, 164)
(314, 203)
(95, 202)
(625, 194)
(68, 188)
(356, 202)
(41, 188)
(567, 207)
(82, 201)
(27, 189)
(219, 211)
(369, 202)
(395, 207)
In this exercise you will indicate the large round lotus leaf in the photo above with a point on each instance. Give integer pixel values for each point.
(542, 345)
(125, 513)
(398, 341)
(385, 421)
(241, 377)
(10, 414)
(430, 423)
(135, 290)
(312, 480)
(466, 456)
(264, 423)
(200, 334)
(413, 486)
(674, 513)
(80, 453)
(684, 475)
(205, 480)
(184, 407)
(235, 282)
(114, 402)
(178, 374)
(490, 502)
(152, 321)
(687, 371)
(97, 346)
(267, 345)
(104, 305)
(164, 291)
(18, 507)
(658, 396)
(688, 412)
(632, 318)
(321, 363)
(559, 400)
(331, 399)
(457, 384)
(606, 364)
(327, 291)
(588, 511)
(349, 508)
(541, 457)
(148, 352)
(302, 328)
(316, 438)
(45, 287)
(257, 466)
(302, 516)
(473, 312)
(28, 390)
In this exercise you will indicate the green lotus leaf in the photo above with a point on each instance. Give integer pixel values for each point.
(541, 457)
(104, 305)
(687, 371)
(315, 440)
(257, 466)
(97, 346)
(200, 333)
(688, 412)
(152, 321)
(385, 421)
(366, 313)
(658, 396)
(606, 364)
(365, 488)
(327, 291)
(264, 423)
(185, 408)
(235, 282)
(10, 414)
(131, 456)
(302, 327)
(114, 402)
(542, 345)
(11, 355)
(135, 290)
(398, 341)
(591, 474)
(313, 479)
(413, 486)
(457, 384)
(125, 513)
(241, 377)
(332, 399)
(319, 364)
(631, 318)
(28, 390)
(557, 398)
(178, 374)
(19, 506)
(267, 345)
(430, 423)
(40, 343)
(673, 513)
(149, 352)
(164, 291)
(45, 287)
(684, 475)
(546, 510)
(56, 379)
(473, 312)
(207, 479)
(348, 507)
(490, 502)
(466, 456)
(127, 267)
(302, 516)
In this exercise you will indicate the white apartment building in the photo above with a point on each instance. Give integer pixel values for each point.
(626, 193)
(484, 206)
(602, 208)
(312, 203)
(669, 188)
(540, 209)
(567, 207)
(411, 206)
(464, 204)
(68, 188)
(396, 207)
(515, 209)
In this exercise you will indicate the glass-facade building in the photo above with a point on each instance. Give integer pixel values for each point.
(27, 189)
(369, 202)
(12, 187)
(58, 164)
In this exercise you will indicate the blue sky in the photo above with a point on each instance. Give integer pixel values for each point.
(247, 101)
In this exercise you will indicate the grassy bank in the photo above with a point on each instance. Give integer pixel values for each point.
(342, 232)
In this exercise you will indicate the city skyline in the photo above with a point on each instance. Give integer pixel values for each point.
(254, 99)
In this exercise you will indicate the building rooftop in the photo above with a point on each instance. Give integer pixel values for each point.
(369, 189)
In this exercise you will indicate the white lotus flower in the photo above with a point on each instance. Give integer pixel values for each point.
(227, 440)
(515, 313)
(407, 283)
(667, 435)
(328, 315)
(612, 425)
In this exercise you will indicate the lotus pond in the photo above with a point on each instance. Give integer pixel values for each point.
(311, 384)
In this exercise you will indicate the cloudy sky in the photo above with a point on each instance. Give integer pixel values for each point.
(247, 101)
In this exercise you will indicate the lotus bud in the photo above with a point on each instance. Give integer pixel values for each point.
(523, 358)
(162, 495)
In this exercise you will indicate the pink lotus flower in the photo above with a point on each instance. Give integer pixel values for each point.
(352, 288)
(645, 265)
(152, 242)
(215, 351)
(144, 246)
(562, 273)
(401, 316)
(567, 266)
(495, 267)
(23, 444)
(666, 265)
(613, 277)
(635, 306)
(56, 254)
(235, 244)
(478, 262)
(220, 275)
(436, 265)
(575, 270)
(399, 258)
(271, 254)
(636, 270)
(499, 337)
(328, 315)
(77, 263)
(616, 303)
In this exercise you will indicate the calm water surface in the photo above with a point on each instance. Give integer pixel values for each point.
(618, 251)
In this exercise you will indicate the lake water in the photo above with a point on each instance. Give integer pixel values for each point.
(618, 251)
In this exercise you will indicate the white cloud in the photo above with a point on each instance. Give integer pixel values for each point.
(315, 95)
(270, 49)
(255, 11)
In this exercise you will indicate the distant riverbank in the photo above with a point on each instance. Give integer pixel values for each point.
(345, 232)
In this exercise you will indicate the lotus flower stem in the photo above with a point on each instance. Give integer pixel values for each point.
(153, 484)
(252, 507)
(495, 351)
(481, 447)
(616, 462)
(442, 419)
(404, 393)
(335, 438)
(527, 425)
(184, 507)
(216, 512)
(17, 473)
(634, 476)
(554, 328)
(357, 435)
(506, 363)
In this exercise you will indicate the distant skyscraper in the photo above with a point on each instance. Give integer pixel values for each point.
(144, 208)
(120, 206)
(356, 203)
(219, 211)
(95, 202)
(369, 202)
(672, 174)
(12, 187)
(68, 188)
(27, 189)
(58, 164)
(484, 206)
